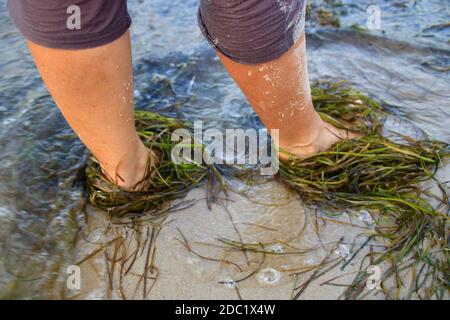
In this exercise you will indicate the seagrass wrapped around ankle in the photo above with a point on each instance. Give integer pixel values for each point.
(165, 183)
(358, 167)
(384, 178)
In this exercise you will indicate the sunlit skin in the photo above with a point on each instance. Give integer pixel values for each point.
(93, 88)
(279, 92)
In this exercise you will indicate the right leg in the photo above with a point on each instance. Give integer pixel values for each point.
(90, 79)
(262, 45)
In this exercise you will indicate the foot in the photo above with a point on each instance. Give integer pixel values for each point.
(130, 173)
(323, 139)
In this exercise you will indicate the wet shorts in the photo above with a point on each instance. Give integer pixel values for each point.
(247, 31)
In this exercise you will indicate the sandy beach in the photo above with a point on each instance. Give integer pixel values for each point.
(288, 227)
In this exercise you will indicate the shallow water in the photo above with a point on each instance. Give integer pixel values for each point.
(41, 161)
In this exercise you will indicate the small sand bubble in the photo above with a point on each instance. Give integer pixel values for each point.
(310, 262)
(366, 217)
(277, 248)
(269, 276)
(342, 250)
(229, 283)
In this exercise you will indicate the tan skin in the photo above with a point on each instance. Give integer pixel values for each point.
(279, 92)
(93, 88)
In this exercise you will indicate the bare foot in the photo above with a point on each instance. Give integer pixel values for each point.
(326, 136)
(130, 173)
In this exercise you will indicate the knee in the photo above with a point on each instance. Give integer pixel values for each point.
(252, 31)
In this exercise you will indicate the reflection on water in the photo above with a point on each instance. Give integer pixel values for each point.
(177, 74)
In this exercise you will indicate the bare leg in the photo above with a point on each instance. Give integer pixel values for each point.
(279, 92)
(94, 90)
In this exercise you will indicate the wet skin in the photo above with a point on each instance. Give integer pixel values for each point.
(93, 88)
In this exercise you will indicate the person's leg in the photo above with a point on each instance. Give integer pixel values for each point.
(267, 59)
(89, 75)
(279, 92)
(93, 88)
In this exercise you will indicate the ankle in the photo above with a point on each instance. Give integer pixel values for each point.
(306, 143)
(130, 170)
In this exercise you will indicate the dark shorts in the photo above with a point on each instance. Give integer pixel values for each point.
(52, 23)
(247, 31)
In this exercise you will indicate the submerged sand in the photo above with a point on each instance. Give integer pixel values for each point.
(263, 212)
(266, 213)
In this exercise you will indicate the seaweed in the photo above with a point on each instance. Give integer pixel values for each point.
(380, 175)
(325, 14)
(172, 180)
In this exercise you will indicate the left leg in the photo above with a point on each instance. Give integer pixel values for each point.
(89, 75)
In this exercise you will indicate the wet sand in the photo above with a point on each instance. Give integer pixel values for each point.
(289, 227)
